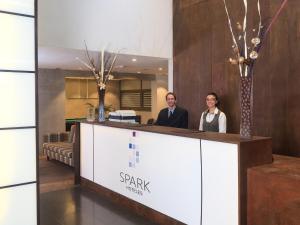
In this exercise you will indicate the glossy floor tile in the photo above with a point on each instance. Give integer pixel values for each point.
(54, 175)
(78, 206)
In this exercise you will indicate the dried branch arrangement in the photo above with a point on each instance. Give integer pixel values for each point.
(246, 52)
(102, 67)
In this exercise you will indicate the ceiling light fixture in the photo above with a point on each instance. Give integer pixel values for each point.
(133, 60)
(160, 68)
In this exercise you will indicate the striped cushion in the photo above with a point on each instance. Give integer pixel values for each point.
(61, 151)
(57, 148)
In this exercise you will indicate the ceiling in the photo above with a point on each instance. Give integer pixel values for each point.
(67, 59)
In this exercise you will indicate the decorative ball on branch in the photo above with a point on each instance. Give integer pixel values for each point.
(255, 41)
(233, 61)
(253, 55)
(102, 86)
(239, 26)
(241, 59)
(110, 77)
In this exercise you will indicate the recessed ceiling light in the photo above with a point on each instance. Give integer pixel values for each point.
(160, 69)
(138, 71)
(133, 60)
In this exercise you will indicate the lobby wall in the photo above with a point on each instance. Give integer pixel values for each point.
(202, 46)
(137, 27)
(159, 89)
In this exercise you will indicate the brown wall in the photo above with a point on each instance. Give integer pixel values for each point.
(202, 46)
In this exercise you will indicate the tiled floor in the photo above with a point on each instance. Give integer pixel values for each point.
(78, 206)
(61, 203)
(54, 175)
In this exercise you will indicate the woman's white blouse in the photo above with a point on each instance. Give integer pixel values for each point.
(210, 117)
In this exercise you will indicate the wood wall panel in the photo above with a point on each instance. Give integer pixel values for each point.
(293, 40)
(202, 46)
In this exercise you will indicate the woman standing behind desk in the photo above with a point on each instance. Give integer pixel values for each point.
(213, 119)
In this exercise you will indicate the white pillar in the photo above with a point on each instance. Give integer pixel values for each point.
(18, 154)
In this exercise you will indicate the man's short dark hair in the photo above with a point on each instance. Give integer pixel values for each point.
(170, 93)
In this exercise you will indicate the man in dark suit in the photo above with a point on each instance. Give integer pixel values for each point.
(173, 115)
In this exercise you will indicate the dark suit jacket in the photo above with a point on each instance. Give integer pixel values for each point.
(179, 118)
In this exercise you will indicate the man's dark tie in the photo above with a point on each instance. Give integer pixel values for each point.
(169, 113)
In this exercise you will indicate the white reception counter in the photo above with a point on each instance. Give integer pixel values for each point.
(192, 177)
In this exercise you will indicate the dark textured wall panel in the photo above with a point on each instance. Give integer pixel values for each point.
(202, 46)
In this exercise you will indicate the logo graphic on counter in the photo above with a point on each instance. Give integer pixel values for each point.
(133, 151)
(134, 184)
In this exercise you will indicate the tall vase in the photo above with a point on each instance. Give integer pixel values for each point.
(101, 95)
(246, 105)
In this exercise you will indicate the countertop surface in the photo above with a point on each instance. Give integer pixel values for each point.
(213, 136)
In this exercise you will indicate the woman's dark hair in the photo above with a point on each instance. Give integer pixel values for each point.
(216, 97)
(170, 93)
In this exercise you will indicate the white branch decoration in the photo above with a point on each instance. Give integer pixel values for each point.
(246, 55)
(259, 14)
(233, 37)
(100, 74)
(245, 37)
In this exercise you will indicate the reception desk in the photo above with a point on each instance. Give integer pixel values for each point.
(176, 175)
